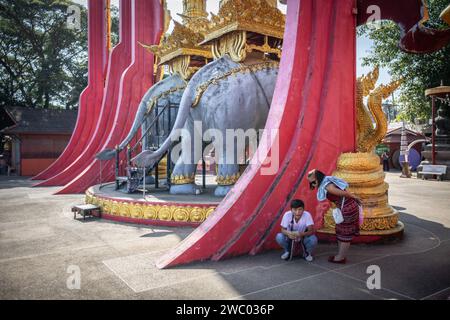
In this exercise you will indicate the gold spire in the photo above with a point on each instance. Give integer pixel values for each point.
(194, 9)
(194, 15)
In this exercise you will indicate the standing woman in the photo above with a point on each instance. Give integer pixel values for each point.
(334, 190)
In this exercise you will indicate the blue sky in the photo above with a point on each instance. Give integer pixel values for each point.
(363, 43)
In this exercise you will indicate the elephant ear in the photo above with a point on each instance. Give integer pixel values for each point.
(106, 154)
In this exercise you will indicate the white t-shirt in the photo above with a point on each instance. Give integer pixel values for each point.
(305, 221)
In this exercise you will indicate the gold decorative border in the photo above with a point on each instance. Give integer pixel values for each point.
(372, 224)
(181, 179)
(238, 26)
(398, 228)
(228, 180)
(151, 211)
(185, 52)
(164, 94)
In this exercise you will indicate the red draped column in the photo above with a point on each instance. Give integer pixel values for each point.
(91, 98)
(136, 79)
(313, 115)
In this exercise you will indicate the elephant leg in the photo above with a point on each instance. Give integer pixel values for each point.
(226, 178)
(228, 172)
(183, 175)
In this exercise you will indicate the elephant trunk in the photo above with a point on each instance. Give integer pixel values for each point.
(148, 158)
(149, 96)
(139, 119)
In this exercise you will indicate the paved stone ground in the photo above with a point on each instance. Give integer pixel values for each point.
(40, 240)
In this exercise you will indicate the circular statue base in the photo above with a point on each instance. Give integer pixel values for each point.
(376, 236)
(157, 208)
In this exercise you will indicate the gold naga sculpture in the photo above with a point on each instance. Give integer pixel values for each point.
(362, 170)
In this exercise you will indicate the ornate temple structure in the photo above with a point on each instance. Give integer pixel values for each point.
(241, 27)
(314, 91)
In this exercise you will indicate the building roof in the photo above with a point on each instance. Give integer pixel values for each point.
(37, 121)
(394, 135)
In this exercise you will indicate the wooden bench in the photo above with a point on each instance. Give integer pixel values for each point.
(434, 170)
(86, 210)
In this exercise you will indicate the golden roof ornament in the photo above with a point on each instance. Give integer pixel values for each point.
(184, 40)
(256, 16)
(181, 42)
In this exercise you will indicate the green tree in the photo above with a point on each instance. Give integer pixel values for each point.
(43, 63)
(419, 71)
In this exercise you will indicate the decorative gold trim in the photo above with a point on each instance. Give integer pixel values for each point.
(386, 222)
(396, 229)
(137, 211)
(180, 52)
(228, 180)
(197, 214)
(244, 69)
(246, 15)
(165, 213)
(164, 94)
(209, 211)
(182, 41)
(151, 211)
(353, 161)
(365, 177)
(233, 44)
(181, 214)
(266, 48)
(181, 179)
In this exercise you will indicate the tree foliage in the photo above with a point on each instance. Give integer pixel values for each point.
(419, 72)
(43, 62)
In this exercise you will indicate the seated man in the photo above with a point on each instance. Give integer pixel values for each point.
(297, 225)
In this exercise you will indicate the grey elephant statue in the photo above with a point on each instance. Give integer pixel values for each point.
(222, 95)
(166, 92)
